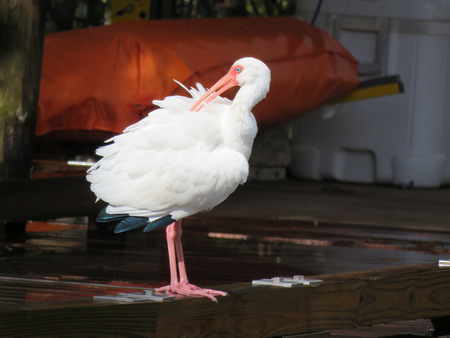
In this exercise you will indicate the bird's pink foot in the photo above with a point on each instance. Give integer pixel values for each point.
(187, 289)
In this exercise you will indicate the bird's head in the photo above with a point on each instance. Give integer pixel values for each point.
(249, 71)
(245, 71)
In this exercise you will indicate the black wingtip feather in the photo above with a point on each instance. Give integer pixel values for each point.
(130, 223)
(103, 216)
(159, 223)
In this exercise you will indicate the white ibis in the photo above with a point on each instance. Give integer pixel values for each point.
(183, 158)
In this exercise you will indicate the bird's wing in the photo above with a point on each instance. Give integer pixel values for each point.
(173, 161)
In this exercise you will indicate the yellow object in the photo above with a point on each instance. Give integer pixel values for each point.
(129, 10)
(374, 88)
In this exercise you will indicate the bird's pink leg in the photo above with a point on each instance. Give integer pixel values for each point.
(170, 234)
(180, 253)
(179, 283)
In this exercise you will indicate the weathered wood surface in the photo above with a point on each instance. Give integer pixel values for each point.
(296, 200)
(46, 198)
(243, 249)
(368, 205)
(299, 227)
(21, 45)
(342, 301)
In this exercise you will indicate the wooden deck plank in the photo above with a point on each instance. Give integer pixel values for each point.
(46, 198)
(341, 203)
(369, 205)
(245, 249)
(346, 300)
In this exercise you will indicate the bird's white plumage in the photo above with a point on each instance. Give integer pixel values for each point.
(176, 161)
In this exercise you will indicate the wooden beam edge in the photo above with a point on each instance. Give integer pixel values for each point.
(348, 300)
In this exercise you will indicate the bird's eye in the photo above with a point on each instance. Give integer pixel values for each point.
(236, 70)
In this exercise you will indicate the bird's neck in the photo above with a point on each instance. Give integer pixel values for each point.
(239, 124)
(247, 97)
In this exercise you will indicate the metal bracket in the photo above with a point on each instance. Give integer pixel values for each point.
(144, 296)
(444, 263)
(287, 282)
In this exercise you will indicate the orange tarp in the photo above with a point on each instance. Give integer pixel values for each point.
(105, 78)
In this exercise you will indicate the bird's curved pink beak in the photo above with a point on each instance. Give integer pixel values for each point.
(225, 83)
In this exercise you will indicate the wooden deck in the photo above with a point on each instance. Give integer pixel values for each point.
(376, 248)
(342, 301)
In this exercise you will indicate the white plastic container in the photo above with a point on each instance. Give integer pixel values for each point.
(401, 139)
